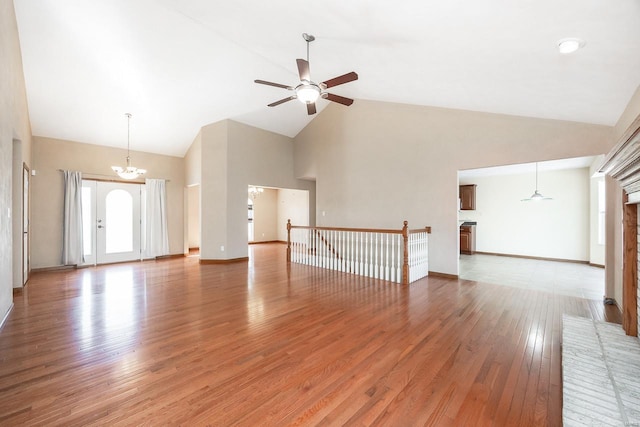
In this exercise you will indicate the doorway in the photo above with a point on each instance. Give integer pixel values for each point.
(111, 221)
(193, 219)
(25, 224)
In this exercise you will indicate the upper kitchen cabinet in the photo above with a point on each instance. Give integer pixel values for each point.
(467, 197)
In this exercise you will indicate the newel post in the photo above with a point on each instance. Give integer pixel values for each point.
(288, 240)
(405, 262)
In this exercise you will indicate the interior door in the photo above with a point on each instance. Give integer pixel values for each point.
(25, 225)
(111, 221)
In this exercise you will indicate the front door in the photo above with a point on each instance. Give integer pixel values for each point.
(111, 221)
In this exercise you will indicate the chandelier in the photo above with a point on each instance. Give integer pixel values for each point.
(255, 191)
(129, 172)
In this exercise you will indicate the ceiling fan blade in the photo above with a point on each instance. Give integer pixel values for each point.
(311, 108)
(282, 101)
(303, 69)
(339, 99)
(263, 82)
(345, 78)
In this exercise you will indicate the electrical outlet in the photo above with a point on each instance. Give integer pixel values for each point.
(222, 248)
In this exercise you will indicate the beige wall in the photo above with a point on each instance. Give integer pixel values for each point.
(193, 216)
(233, 156)
(377, 164)
(15, 132)
(292, 205)
(613, 257)
(50, 155)
(265, 214)
(257, 157)
(630, 113)
(213, 192)
(192, 179)
(193, 162)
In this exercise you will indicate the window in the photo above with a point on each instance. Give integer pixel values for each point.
(119, 224)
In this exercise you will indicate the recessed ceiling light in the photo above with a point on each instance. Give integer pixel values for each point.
(570, 44)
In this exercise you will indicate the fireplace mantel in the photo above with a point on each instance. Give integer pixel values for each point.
(623, 162)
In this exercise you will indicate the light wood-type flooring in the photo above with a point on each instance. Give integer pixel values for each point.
(172, 342)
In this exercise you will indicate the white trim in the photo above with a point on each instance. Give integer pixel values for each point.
(4, 319)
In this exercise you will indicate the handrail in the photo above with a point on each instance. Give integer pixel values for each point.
(346, 238)
(366, 230)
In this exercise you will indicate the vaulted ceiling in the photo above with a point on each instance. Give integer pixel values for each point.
(178, 65)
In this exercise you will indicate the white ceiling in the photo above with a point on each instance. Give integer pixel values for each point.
(178, 65)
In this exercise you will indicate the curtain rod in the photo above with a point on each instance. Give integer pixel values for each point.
(110, 178)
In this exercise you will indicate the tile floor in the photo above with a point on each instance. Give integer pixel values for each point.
(564, 278)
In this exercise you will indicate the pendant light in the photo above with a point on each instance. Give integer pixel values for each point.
(129, 172)
(536, 196)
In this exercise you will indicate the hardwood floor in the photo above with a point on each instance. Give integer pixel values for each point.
(175, 342)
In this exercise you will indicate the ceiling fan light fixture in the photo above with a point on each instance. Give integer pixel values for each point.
(570, 44)
(307, 93)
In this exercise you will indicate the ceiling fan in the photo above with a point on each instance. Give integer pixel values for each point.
(308, 91)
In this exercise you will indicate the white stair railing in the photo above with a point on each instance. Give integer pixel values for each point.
(400, 256)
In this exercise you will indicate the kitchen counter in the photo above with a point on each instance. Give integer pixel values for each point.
(467, 237)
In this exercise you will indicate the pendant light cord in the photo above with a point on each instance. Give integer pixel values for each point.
(128, 130)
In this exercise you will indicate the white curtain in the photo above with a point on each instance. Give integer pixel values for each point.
(156, 236)
(72, 247)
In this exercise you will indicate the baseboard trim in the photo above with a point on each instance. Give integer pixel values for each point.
(443, 275)
(224, 261)
(56, 268)
(596, 265)
(6, 315)
(534, 257)
(170, 256)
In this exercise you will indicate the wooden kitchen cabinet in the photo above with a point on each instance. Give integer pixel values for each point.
(467, 194)
(467, 239)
